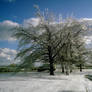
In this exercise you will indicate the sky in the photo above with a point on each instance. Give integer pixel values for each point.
(16, 12)
(20, 10)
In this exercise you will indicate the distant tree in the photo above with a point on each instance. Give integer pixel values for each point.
(12, 65)
(73, 30)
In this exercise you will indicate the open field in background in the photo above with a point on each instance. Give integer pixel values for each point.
(43, 82)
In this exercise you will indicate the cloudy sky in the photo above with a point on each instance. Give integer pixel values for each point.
(16, 12)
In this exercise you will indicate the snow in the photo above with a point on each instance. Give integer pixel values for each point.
(43, 82)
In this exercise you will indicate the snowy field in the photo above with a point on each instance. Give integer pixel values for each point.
(43, 82)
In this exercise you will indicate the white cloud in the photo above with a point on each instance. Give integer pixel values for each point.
(7, 26)
(88, 34)
(7, 56)
(9, 23)
(88, 39)
(86, 19)
(6, 30)
(31, 21)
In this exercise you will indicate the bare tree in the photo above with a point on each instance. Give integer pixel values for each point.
(40, 42)
(48, 41)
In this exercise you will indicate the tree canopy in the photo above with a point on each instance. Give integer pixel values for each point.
(52, 40)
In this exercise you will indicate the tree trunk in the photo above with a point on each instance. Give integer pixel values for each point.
(50, 56)
(51, 61)
(51, 68)
(67, 69)
(70, 68)
(63, 68)
(80, 67)
(67, 72)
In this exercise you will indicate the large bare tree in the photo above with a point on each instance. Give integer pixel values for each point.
(47, 41)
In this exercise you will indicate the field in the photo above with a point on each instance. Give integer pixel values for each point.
(43, 82)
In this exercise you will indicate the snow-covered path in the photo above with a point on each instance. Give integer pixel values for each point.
(42, 82)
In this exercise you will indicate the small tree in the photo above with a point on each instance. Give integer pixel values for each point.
(73, 31)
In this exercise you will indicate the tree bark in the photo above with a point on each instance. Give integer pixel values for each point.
(63, 68)
(51, 68)
(51, 61)
(71, 68)
(67, 69)
(80, 67)
(67, 72)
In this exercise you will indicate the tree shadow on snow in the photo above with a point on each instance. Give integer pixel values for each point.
(66, 91)
(29, 75)
(69, 91)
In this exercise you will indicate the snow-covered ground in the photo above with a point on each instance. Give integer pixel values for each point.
(43, 82)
